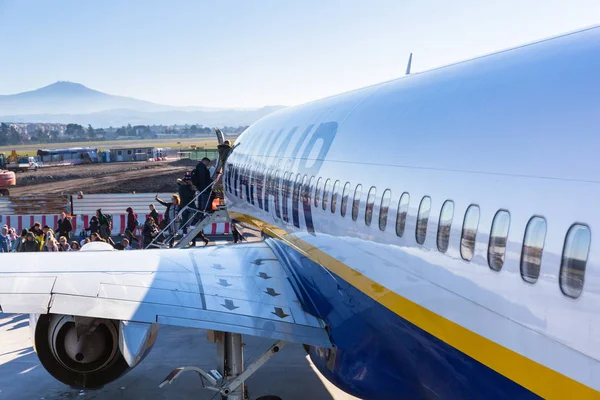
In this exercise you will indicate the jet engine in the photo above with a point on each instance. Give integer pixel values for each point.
(87, 353)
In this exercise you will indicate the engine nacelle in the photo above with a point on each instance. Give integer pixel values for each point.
(88, 353)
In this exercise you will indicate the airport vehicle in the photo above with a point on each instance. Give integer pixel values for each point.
(76, 155)
(7, 179)
(23, 164)
(429, 237)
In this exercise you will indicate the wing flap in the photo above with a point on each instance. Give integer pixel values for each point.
(236, 288)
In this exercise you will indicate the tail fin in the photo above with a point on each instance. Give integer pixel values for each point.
(409, 64)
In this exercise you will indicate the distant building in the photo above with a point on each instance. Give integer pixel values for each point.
(131, 154)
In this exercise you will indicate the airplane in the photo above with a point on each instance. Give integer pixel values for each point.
(426, 237)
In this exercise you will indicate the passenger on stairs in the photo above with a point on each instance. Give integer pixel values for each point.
(171, 215)
(186, 194)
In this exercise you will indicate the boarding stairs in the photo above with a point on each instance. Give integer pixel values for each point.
(196, 221)
(199, 219)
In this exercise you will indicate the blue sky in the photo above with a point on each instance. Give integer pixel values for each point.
(254, 53)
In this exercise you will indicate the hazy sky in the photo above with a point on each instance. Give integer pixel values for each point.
(254, 53)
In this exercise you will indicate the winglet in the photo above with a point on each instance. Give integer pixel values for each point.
(409, 64)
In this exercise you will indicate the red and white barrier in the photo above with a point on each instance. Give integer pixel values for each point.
(220, 228)
(20, 222)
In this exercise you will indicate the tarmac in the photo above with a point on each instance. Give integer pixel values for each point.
(289, 375)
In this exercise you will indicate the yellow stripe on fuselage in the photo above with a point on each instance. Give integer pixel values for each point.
(539, 379)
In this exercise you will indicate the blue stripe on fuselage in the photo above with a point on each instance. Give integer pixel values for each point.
(380, 355)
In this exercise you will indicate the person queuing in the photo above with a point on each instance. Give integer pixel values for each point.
(39, 238)
(50, 243)
(13, 238)
(94, 226)
(105, 226)
(95, 237)
(154, 213)
(47, 229)
(4, 240)
(20, 240)
(63, 244)
(132, 224)
(125, 244)
(149, 232)
(36, 229)
(64, 226)
(29, 245)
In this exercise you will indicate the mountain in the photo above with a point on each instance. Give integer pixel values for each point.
(69, 102)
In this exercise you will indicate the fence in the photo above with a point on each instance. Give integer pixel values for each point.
(199, 154)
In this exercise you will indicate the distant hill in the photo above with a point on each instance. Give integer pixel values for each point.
(66, 102)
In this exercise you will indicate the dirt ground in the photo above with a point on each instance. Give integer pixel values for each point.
(125, 177)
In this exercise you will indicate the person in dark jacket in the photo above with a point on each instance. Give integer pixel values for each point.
(154, 213)
(36, 229)
(94, 225)
(132, 223)
(131, 220)
(30, 245)
(105, 227)
(201, 179)
(186, 194)
(149, 232)
(21, 240)
(64, 226)
(4, 241)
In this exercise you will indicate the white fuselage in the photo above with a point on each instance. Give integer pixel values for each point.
(514, 131)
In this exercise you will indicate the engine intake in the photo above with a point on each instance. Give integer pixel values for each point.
(87, 353)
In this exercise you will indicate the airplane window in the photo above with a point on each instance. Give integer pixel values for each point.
(423, 219)
(574, 259)
(309, 190)
(445, 225)
(277, 193)
(266, 187)
(498, 239)
(383, 210)
(356, 202)
(334, 196)
(287, 193)
(533, 246)
(295, 199)
(318, 192)
(401, 215)
(326, 193)
(370, 203)
(469, 232)
(304, 191)
(345, 194)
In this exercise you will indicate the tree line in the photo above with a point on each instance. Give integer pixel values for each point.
(9, 135)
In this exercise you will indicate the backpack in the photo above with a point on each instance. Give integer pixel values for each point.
(195, 177)
(109, 221)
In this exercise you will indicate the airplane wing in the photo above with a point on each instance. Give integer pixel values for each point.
(233, 288)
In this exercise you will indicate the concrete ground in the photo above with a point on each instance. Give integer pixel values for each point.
(289, 374)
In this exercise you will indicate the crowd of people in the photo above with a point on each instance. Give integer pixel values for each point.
(180, 215)
(39, 238)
